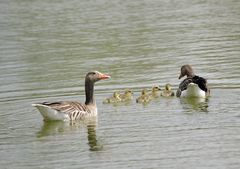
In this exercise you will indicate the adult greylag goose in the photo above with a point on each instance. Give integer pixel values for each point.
(167, 92)
(192, 86)
(73, 110)
(115, 98)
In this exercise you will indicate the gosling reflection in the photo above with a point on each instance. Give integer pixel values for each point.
(51, 128)
(199, 104)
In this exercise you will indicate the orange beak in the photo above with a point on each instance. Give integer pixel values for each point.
(103, 76)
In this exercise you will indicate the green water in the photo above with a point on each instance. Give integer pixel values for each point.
(47, 47)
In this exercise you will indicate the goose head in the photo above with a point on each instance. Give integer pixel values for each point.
(95, 76)
(186, 70)
(90, 79)
(156, 88)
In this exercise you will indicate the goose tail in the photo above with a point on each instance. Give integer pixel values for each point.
(49, 113)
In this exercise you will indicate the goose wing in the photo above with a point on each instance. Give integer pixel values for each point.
(201, 82)
(74, 110)
(183, 85)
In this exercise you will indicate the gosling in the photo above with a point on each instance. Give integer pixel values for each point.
(114, 99)
(167, 92)
(144, 98)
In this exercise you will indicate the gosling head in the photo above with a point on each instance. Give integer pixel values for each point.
(156, 88)
(168, 87)
(116, 94)
(144, 91)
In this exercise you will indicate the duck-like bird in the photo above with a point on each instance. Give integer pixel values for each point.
(115, 98)
(144, 98)
(167, 92)
(192, 86)
(155, 93)
(72, 110)
(127, 95)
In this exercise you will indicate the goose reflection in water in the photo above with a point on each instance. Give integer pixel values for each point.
(92, 138)
(196, 104)
(51, 128)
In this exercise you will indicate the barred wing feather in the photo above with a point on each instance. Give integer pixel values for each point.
(74, 110)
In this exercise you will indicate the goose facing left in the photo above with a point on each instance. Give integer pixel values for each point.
(73, 110)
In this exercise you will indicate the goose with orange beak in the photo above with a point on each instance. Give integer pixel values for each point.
(73, 110)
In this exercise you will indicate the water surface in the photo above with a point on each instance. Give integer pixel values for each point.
(47, 47)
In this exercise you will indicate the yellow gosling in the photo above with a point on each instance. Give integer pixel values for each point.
(114, 99)
(127, 95)
(167, 92)
(144, 98)
(155, 93)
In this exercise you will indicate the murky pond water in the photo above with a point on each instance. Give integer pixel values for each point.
(47, 47)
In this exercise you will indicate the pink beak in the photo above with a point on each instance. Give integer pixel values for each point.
(103, 76)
